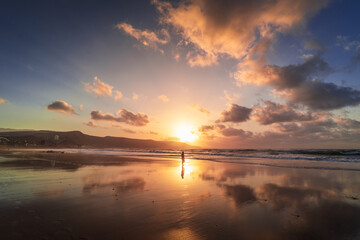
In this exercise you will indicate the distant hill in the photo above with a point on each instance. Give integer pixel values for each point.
(74, 139)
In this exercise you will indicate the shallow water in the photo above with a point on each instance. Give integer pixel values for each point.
(167, 200)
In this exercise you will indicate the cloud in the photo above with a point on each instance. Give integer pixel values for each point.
(145, 37)
(241, 194)
(354, 46)
(176, 56)
(90, 124)
(231, 97)
(286, 77)
(99, 88)
(117, 95)
(344, 42)
(115, 182)
(235, 113)
(207, 128)
(123, 115)
(277, 112)
(304, 129)
(313, 44)
(61, 107)
(300, 84)
(348, 123)
(230, 28)
(234, 132)
(201, 60)
(320, 95)
(163, 98)
(2, 100)
(81, 107)
(325, 127)
(135, 96)
(200, 109)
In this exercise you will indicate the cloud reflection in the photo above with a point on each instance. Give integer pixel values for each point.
(91, 184)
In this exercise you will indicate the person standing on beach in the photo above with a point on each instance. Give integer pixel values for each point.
(183, 156)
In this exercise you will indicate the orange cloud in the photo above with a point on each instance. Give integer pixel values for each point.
(232, 28)
(146, 37)
(99, 88)
(135, 96)
(200, 109)
(231, 97)
(117, 95)
(2, 100)
(163, 98)
(92, 124)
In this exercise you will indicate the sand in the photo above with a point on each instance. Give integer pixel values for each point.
(74, 196)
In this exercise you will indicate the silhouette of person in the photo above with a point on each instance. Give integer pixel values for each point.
(183, 156)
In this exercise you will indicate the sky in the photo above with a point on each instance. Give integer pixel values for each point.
(217, 74)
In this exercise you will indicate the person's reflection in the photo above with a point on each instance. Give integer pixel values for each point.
(182, 170)
(182, 164)
(52, 163)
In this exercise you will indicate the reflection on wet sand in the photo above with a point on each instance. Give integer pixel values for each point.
(132, 184)
(148, 200)
(182, 170)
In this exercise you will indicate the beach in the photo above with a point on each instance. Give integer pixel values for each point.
(99, 194)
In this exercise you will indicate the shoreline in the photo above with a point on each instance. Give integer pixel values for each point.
(22, 156)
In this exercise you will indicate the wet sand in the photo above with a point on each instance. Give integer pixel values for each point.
(75, 196)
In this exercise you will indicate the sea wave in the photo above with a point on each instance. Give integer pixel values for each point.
(322, 155)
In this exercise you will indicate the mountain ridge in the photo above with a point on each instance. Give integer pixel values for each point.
(73, 139)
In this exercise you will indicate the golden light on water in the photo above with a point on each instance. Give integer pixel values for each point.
(186, 133)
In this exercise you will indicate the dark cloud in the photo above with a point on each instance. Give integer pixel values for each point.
(320, 95)
(277, 112)
(293, 76)
(317, 210)
(232, 132)
(241, 194)
(92, 183)
(323, 131)
(208, 128)
(235, 113)
(301, 84)
(285, 197)
(125, 116)
(61, 107)
(348, 123)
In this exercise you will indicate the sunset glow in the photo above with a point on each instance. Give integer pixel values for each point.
(186, 133)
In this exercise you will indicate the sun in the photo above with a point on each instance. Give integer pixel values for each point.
(186, 133)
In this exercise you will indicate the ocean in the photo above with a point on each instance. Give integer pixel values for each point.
(347, 159)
